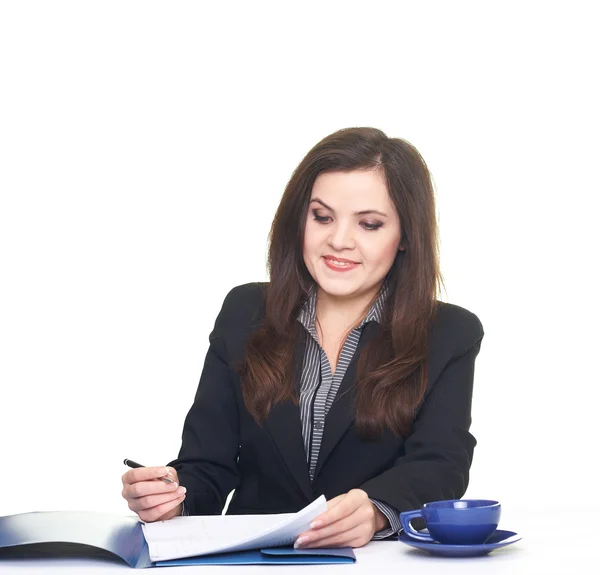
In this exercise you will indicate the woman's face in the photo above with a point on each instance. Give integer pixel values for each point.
(352, 233)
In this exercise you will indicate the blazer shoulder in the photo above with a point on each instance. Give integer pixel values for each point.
(457, 327)
(243, 306)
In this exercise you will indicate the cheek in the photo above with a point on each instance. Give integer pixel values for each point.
(312, 238)
(308, 248)
(383, 252)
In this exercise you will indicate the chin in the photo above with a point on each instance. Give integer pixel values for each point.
(339, 288)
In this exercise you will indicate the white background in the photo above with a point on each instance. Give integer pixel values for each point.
(144, 147)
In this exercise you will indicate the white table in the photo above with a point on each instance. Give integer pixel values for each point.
(544, 549)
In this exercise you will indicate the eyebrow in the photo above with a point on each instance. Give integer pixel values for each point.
(361, 213)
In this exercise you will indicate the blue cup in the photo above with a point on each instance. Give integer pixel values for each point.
(455, 521)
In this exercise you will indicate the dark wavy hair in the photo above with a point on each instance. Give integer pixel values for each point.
(392, 370)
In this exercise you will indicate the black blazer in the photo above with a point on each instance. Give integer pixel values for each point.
(224, 449)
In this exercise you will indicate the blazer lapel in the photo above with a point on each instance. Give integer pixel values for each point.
(341, 414)
(285, 428)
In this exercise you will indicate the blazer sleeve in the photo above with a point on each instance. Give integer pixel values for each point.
(207, 461)
(439, 450)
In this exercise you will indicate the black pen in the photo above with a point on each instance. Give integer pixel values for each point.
(133, 464)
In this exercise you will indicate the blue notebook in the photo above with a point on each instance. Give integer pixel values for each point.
(59, 533)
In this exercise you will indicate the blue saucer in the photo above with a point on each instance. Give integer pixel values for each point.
(498, 538)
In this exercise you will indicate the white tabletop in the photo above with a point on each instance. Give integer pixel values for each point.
(545, 548)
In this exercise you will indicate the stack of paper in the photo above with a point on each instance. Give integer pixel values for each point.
(202, 535)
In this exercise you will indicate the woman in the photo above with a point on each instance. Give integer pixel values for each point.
(344, 375)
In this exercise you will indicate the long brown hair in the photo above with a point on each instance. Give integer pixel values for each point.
(392, 374)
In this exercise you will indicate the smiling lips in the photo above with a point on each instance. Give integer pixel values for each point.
(339, 264)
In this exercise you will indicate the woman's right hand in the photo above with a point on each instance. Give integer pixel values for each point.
(150, 497)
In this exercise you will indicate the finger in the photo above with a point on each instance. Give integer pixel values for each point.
(143, 488)
(342, 526)
(361, 516)
(355, 537)
(172, 474)
(335, 501)
(347, 504)
(158, 511)
(322, 519)
(145, 474)
(151, 501)
(145, 504)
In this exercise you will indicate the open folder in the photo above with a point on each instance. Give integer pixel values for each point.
(194, 540)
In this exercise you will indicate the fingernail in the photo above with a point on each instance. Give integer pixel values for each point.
(316, 524)
(300, 541)
(173, 485)
(163, 471)
(181, 490)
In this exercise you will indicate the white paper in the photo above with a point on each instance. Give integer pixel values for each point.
(200, 535)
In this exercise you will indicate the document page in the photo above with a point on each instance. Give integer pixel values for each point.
(200, 535)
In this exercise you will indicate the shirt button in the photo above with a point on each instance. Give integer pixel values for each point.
(318, 424)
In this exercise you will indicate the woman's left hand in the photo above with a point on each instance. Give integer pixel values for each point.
(351, 520)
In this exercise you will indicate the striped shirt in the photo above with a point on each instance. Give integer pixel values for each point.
(318, 388)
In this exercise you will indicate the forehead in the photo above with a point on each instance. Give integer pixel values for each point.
(351, 188)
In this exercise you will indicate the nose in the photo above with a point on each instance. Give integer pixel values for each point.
(341, 236)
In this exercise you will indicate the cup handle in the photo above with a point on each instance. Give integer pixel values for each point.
(406, 517)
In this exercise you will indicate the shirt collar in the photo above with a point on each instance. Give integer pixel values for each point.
(308, 312)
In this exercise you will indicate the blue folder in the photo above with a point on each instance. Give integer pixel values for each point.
(48, 531)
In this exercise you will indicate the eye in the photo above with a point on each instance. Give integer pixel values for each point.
(320, 219)
(371, 226)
